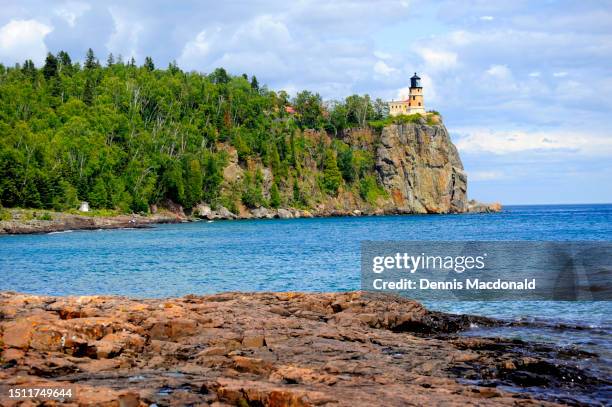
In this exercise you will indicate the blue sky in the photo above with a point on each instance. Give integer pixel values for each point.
(524, 86)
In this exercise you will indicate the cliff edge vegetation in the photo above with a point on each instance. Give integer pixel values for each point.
(130, 138)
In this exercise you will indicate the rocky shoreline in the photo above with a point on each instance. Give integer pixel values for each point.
(60, 221)
(275, 349)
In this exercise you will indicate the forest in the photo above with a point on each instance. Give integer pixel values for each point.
(123, 137)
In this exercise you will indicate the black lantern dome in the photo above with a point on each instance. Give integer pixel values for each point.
(415, 81)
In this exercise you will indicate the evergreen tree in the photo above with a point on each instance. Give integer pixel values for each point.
(332, 178)
(346, 164)
(254, 84)
(110, 61)
(90, 60)
(173, 67)
(50, 68)
(29, 70)
(88, 91)
(275, 198)
(193, 184)
(64, 60)
(148, 64)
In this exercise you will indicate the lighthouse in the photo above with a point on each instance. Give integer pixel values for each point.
(414, 104)
(415, 98)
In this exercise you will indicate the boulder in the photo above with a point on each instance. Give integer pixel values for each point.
(260, 213)
(203, 211)
(284, 214)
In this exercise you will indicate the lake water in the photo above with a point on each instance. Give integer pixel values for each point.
(290, 255)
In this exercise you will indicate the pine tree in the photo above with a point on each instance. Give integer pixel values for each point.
(110, 61)
(148, 64)
(29, 69)
(90, 60)
(332, 178)
(275, 198)
(50, 68)
(254, 84)
(193, 184)
(64, 59)
(88, 91)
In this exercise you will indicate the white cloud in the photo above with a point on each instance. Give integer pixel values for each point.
(196, 50)
(402, 93)
(71, 11)
(535, 74)
(382, 55)
(499, 71)
(487, 18)
(125, 38)
(509, 142)
(559, 74)
(437, 60)
(381, 68)
(23, 39)
(485, 175)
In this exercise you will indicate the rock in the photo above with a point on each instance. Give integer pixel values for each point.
(420, 168)
(253, 340)
(260, 213)
(284, 214)
(203, 211)
(479, 207)
(224, 213)
(276, 349)
(11, 355)
(18, 334)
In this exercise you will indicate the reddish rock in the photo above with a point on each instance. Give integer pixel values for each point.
(266, 349)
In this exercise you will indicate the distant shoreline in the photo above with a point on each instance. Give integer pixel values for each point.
(37, 221)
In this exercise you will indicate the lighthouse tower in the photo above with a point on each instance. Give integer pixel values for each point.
(415, 98)
(414, 104)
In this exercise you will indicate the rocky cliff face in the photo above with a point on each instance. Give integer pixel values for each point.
(420, 167)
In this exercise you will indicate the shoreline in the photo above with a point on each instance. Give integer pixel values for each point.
(277, 349)
(63, 221)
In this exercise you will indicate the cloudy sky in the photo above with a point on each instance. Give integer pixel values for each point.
(525, 87)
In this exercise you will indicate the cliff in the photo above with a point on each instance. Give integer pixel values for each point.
(421, 169)
(404, 168)
(274, 349)
(414, 168)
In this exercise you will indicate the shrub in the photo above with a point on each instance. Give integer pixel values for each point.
(5, 214)
(45, 216)
(369, 190)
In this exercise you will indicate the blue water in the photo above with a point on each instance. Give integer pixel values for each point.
(281, 255)
(306, 255)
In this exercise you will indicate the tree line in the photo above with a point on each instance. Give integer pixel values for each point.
(124, 136)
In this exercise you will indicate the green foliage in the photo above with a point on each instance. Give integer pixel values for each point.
(332, 178)
(44, 216)
(346, 162)
(400, 119)
(369, 190)
(275, 198)
(5, 214)
(252, 194)
(123, 137)
(309, 108)
(148, 64)
(193, 183)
